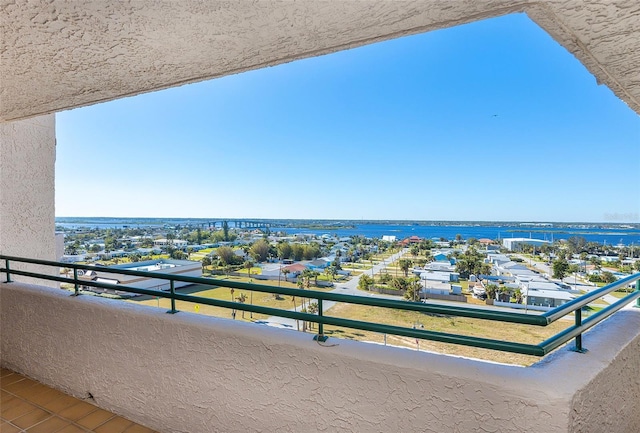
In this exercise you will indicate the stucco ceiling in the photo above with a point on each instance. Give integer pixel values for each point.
(58, 55)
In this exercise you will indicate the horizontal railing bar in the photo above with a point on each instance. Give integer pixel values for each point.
(129, 289)
(522, 348)
(562, 337)
(585, 299)
(475, 313)
(505, 346)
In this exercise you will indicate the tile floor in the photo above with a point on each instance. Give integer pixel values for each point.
(29, 406)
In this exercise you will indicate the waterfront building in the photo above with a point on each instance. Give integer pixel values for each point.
(515, 244)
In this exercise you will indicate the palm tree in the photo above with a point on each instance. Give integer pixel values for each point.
(248, 264)
(285, 271)
(404, 265)
(242, 299)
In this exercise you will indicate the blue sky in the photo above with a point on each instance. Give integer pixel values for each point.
(492, 120)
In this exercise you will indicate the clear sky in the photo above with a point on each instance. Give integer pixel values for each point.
(488, 121)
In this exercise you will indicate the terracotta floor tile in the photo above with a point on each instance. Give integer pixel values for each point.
(19, 385)
(71, 429)
(77, 411)
(50, 425)
(28, 392)
(46, 397)
(136, 428)
(16, 409)
(8, 380)
(8, 403)
(8, 428)
(114, 425)
(32, 418)
(95, 418)
(60, 403)
(28, 404)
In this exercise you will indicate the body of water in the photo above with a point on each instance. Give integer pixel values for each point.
(592, 233)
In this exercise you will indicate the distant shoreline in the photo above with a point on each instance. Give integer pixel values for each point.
(328, 224)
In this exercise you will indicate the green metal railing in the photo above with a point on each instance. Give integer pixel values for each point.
(573, 332)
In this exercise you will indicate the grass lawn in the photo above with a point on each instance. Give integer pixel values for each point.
(456, 325)
(224, 293)
(620, 294)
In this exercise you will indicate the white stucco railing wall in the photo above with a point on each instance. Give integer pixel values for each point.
(191, 373)
(27, 188)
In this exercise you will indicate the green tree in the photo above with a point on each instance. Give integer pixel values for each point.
(242, 299)
(412, 290)
(365, 282)
(404, 265)
(471, 262)
(560, 268)
(311, 251)
(608, 277)
(285, 272)
(284, 250)
(491, 290)
(225, 231)
(178, 255)
(297, 252)
(206, 261)
(226, 254)
(248, 264)
(332, 271)
(312, 308)
(260, 250)
(385, 278)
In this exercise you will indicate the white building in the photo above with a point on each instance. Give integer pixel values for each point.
(185, 268)
(515, 244)
(177, 243)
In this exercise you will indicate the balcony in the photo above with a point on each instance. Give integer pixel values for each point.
(186, 372)
(191, 373)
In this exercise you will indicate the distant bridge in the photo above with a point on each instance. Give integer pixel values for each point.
(238, 224)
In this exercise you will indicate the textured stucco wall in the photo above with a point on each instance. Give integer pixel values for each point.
(87, 51)
(610, 401)
(189, 373)
(27, 187)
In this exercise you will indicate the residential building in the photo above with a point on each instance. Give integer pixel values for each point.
(165, 266)
(176, 243)
(515, 244)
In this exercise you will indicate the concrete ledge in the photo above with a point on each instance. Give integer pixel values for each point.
(190, 373)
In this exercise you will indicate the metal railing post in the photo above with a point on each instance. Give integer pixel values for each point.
(8, 272)
(173, 298)
(638, 290)
(75, 282)
(578, 347)
(320, 336)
